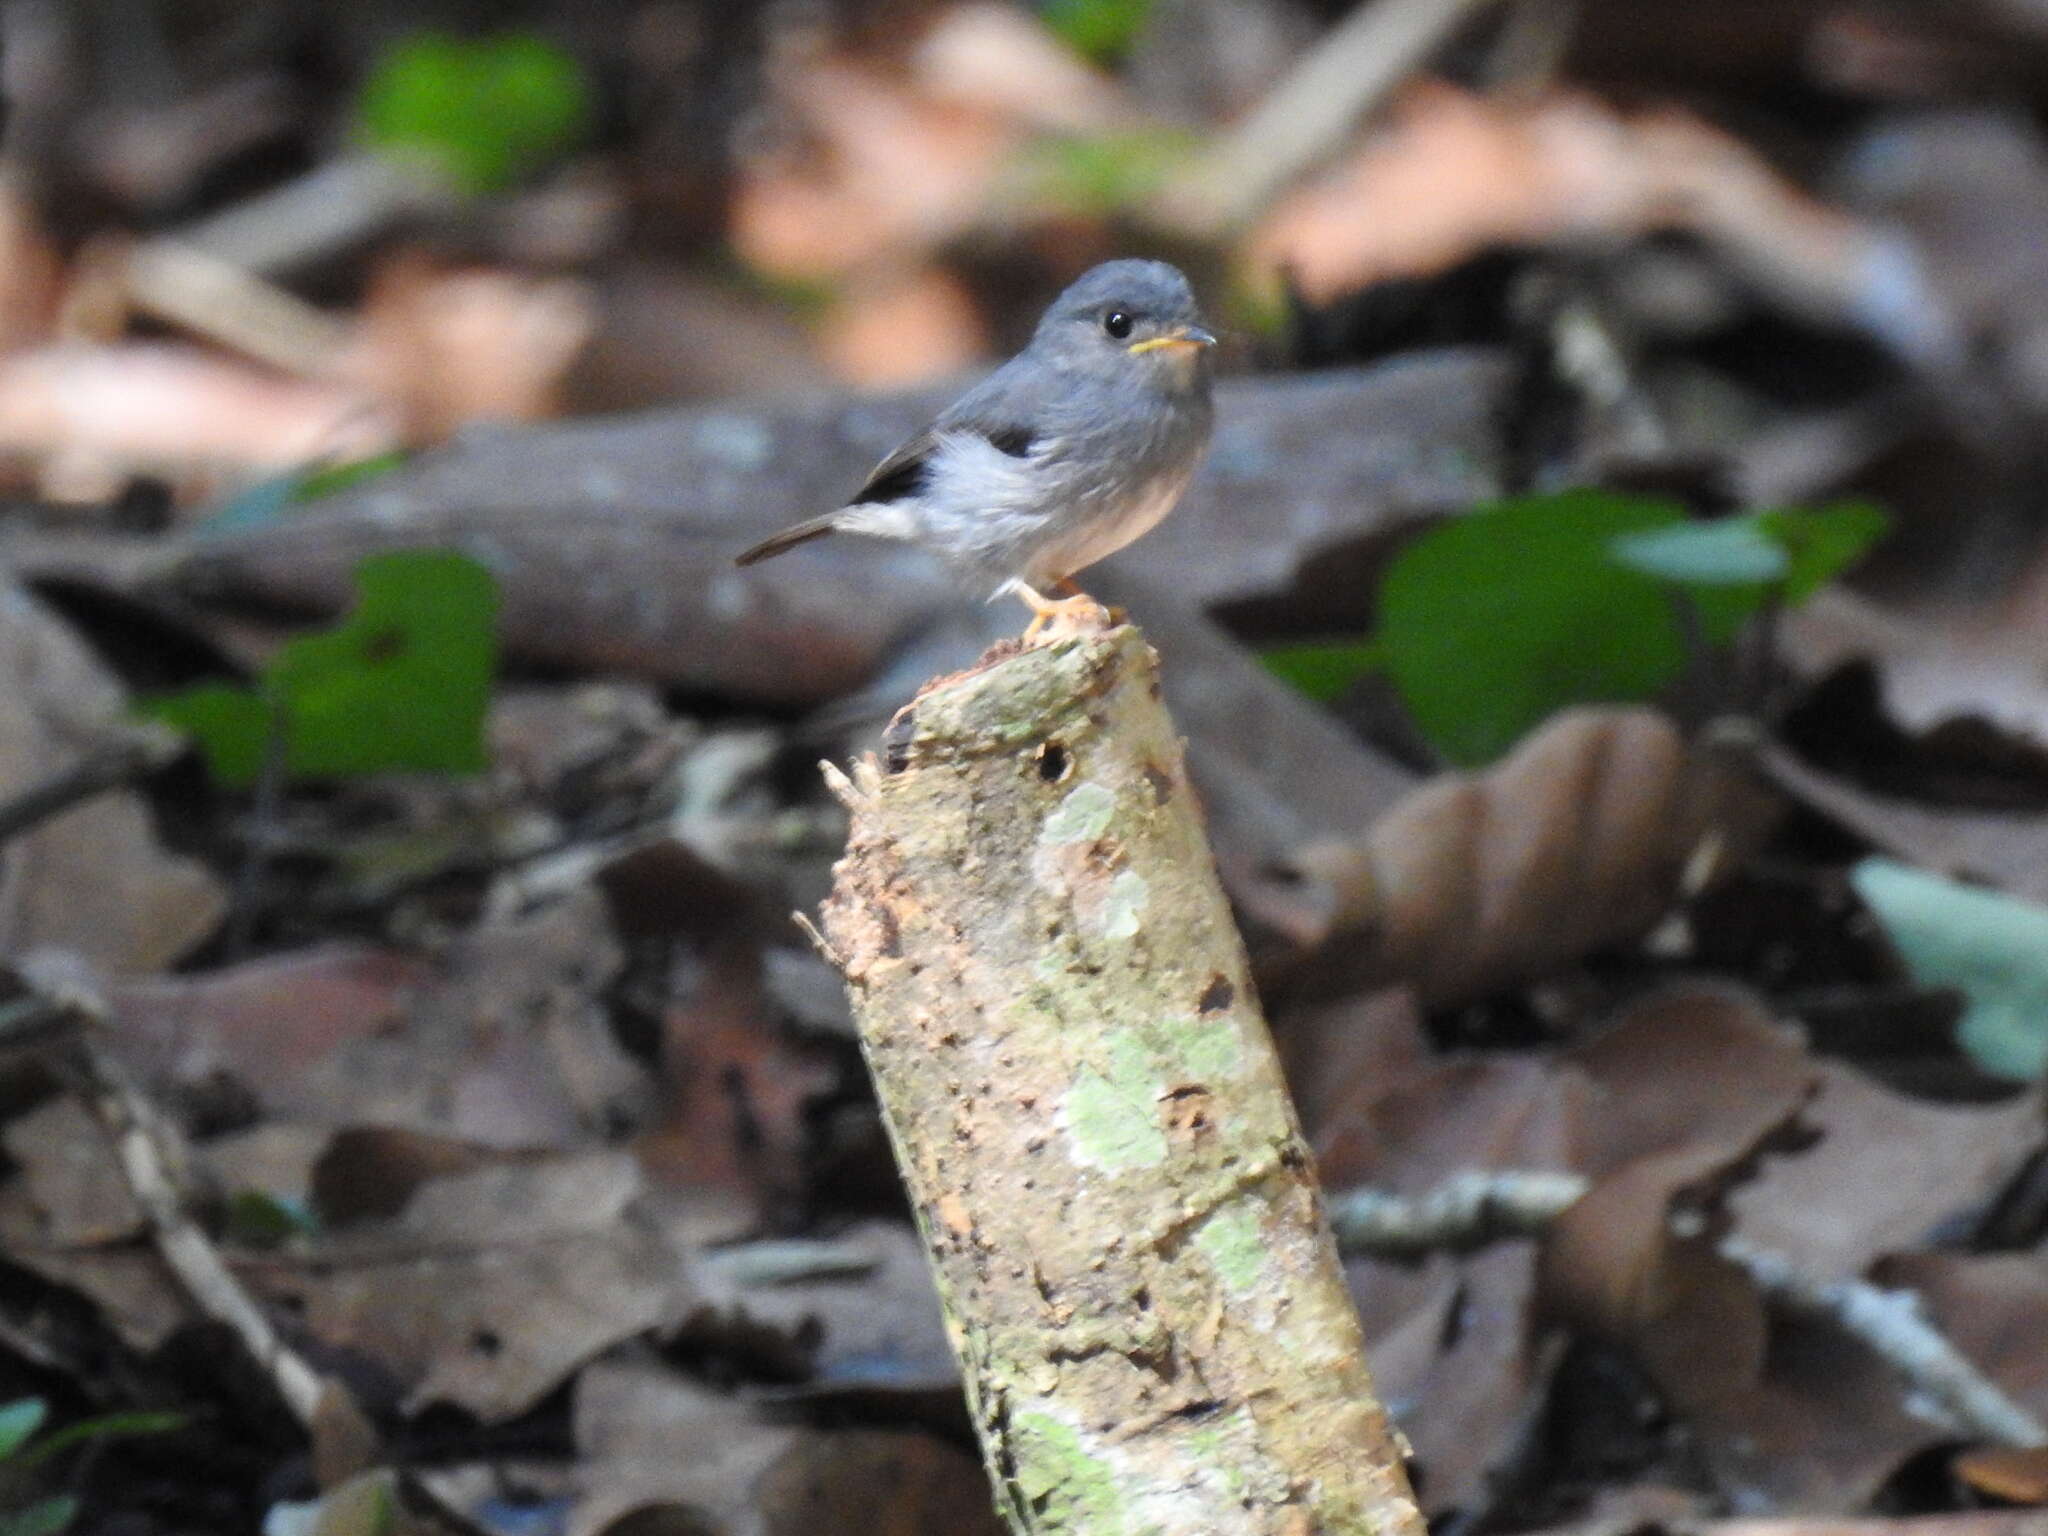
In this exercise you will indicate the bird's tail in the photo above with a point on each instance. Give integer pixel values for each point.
(789, 538)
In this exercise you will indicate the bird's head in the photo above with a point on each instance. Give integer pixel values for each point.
(1129, 320)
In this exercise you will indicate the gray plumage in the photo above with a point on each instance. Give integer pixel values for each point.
(1073, 448)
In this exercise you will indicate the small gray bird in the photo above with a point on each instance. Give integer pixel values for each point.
(1069, 451)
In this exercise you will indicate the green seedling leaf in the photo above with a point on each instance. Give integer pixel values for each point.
(231, 725)
(1491, 623)
(1498, 619)
(1322, 671)
(485, 111)
(1101, 30)
(19, 1420)
(1990, 947)
(45, 1517)
(1734, 551)
(401, 684)
(1822, 542)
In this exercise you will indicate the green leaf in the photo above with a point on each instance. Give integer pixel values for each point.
(327, 479)
(1102, 30)
(230, 724)
(1823, 542)
(19, 1420)
(1992, 948)
(1492, 622)
(1732, 551)
(486, 111)
(401, 684)
(1322, 670)
(45, 1517)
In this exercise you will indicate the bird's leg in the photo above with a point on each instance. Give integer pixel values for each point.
(1052, 618)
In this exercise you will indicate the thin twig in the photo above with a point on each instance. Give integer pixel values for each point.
(138, 1139)
(136, 756)
(1473, 1209)
(1306, 115)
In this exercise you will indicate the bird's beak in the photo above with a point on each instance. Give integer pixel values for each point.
(1186, 336)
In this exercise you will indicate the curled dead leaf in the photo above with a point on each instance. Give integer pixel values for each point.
(1578, 839)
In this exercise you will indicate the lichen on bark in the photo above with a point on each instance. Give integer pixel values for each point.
(1091, 1121)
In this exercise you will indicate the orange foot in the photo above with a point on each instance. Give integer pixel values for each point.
(1056, 618)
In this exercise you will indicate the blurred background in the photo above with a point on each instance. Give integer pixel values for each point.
(1610, 633)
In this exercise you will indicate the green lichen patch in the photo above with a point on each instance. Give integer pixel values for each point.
(1082, 817)
(1122, 908)
(1113, 1115)
(1068, 1488)
(1206, 1049)
(1231, 1241)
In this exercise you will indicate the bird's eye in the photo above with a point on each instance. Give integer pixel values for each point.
(1117, 323)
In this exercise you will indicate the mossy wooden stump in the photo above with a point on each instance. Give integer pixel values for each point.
(1087, 1109)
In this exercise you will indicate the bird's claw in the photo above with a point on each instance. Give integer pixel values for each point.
(1056, 618)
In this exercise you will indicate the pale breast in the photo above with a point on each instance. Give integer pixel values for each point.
(1076, 545)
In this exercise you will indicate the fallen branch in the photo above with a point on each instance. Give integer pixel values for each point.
(1473, 1209)
(1089, 1115)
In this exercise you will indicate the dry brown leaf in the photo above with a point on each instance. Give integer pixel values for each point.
(94, 416)
(69, 1173)
(1340, 1056)
(1576, 840)
(1619, 1265)
(665, 1451)
(505, 1040)
(2008, 849)
(92, 881)
(1456, 173)
(1451, 1340)
(1686, 1086)
(903, 329)
(268, 1023)
(136, 1295)
(1993, 1307)
(891, 173)
(1886, 1171)
(1697, 1065)
(492, 1286)
(441, 348)
(1452, 1343)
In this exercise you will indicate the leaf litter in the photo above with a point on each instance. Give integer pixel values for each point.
(522, 1117)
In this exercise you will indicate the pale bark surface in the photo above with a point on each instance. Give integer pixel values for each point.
(1086, 1106)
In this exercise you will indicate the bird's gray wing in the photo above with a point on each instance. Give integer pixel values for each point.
(999, 408)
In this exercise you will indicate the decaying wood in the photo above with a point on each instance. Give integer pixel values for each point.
(1088, 1112)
